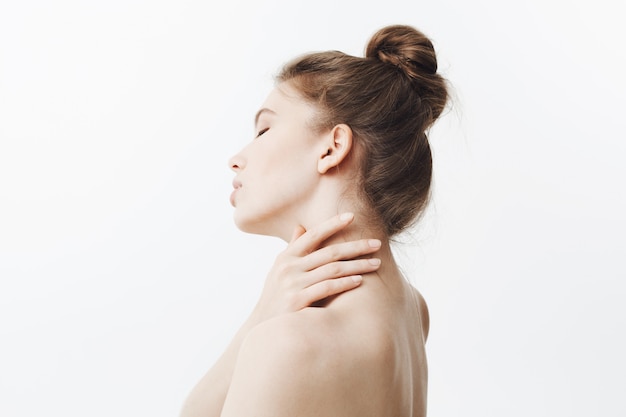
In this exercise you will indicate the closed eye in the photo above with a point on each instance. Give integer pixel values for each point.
(262, 131)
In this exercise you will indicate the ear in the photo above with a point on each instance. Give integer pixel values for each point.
(336, 146)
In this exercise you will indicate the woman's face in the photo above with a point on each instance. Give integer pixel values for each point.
(276, 173)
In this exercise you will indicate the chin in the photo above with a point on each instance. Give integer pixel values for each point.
(249, 225)
(241, 223)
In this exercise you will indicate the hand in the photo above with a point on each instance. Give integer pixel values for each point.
(305, 273)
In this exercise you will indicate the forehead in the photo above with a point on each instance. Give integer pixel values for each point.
(285, 102)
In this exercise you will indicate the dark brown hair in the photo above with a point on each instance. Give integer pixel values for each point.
(389, 99)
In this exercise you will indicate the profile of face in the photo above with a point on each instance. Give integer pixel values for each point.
(277, 173)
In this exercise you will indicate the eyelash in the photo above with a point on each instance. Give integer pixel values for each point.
(262, 131)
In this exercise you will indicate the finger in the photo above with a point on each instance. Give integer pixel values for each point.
(330, 287)
(340, 252)
(340, 269)
(312, 238)
(297, 232)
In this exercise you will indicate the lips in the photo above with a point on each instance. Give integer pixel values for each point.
(236, 186)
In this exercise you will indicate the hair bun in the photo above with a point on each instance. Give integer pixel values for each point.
(406, 48)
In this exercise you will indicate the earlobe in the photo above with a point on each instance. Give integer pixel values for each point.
(337, 146)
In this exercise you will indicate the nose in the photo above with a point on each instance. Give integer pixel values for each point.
(236, 162)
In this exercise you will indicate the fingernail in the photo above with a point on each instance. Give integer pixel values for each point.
(346, 216)
(374, 243)
(374, 261)
(357, 278)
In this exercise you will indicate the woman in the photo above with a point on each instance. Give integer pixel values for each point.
(336, 332)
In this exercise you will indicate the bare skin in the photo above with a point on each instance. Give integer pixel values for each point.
(359, 343)
(362, 354)
(318, 343)
(302, 274)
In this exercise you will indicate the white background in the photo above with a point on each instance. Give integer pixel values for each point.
(122, 276)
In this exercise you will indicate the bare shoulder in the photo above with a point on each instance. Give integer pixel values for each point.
(302, 364)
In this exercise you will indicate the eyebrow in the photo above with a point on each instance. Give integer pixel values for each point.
(260, 112)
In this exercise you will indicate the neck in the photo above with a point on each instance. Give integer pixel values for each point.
(330, 199)
(362, 227)
(319, 209)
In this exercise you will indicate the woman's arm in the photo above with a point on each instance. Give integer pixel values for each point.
(301, 275)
